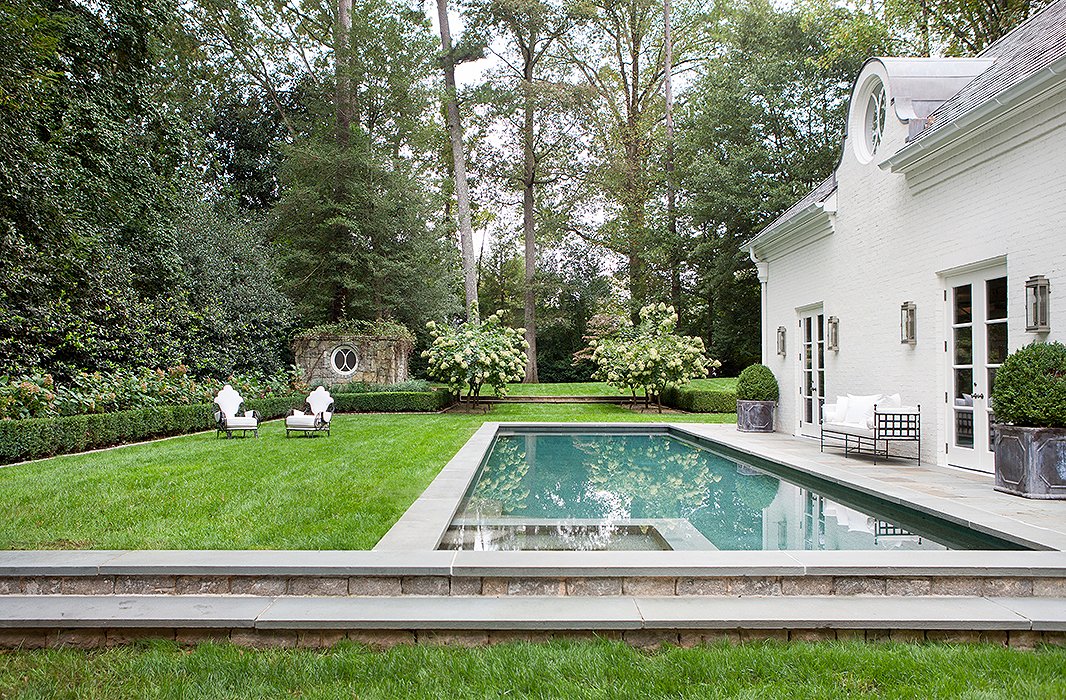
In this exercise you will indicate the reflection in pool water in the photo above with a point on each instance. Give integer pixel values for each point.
(649, 491)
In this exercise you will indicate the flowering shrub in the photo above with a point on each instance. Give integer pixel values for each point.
(651, 356)
(38, 396)
(475, 354)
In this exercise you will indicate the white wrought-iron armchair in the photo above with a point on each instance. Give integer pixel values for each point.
(229, 418)
(314, 418)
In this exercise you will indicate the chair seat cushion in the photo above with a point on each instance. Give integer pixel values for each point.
(300, 421)
(849, 428)
(242, 423)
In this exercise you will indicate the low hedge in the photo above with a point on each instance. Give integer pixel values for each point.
(701, 400)
(392, 401)
(34, 438)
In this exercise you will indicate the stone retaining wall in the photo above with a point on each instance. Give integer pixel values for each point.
(954, 585)
(381, 639)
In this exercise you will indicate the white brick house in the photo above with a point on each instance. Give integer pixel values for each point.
(950, 194)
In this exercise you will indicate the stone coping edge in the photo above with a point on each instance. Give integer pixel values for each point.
(76, 563)
(532, 613)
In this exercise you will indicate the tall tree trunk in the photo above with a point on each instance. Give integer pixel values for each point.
(529, 180)
(342, 32)
(342, 104)
(455, 134)
(671, 194)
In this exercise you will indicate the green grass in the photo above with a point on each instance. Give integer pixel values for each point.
(559, 670)
(198, 492)
(715, 384)
(603, 389)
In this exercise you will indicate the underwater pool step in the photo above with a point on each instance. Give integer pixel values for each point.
(416, 613)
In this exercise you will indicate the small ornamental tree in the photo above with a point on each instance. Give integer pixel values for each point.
(651, 356)
(477, 353)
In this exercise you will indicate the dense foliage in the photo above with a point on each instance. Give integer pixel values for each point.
(757, 383)
(40, 395)
(475, 354)
(1030, 387)
(651, 356)
(188, 183)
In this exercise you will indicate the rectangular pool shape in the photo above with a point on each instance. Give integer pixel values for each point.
(652, 490)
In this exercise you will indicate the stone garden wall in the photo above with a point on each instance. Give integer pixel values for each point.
(346, 359)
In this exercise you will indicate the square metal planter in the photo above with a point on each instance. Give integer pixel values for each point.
(1031, 462)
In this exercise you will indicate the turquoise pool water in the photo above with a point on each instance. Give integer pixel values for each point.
(566, 491)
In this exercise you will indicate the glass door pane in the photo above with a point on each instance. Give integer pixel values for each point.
(962, 363)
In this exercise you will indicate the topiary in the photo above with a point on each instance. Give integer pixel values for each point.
(757, 383)
(1030, 387)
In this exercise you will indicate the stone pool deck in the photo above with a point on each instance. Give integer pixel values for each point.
(405, 591)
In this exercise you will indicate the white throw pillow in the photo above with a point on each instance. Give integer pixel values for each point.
(860, 408)
(890, 402)
(841, 412)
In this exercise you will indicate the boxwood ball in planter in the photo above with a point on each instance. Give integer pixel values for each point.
(1029, 403)
(756, 398)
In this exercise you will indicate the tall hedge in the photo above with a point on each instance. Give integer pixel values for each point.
(34, 438)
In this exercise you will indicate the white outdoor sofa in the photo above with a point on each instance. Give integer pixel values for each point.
(870, 424)
(229, 418)
(315, 418)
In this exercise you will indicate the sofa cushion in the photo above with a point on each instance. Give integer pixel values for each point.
(849, 428)
(860, 408)
(841, 410)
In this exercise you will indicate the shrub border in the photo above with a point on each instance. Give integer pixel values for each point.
(701, 400)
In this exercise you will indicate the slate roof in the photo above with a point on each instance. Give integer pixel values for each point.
(818, 194)
(1025, 50)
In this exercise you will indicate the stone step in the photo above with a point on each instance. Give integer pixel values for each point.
(533, 613)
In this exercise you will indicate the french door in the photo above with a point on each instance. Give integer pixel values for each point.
(812, 371)
(976, 346)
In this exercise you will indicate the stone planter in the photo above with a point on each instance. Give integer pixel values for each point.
(755, 416)
(1031, 462)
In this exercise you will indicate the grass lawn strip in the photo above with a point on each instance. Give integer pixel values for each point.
(199, 492)
(577, 670)
(604, 389)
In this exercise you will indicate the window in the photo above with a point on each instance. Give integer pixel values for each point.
(875, 119)
(344, 359)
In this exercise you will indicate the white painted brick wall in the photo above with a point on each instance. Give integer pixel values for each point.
(892, 237)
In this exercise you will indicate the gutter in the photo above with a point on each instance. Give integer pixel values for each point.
(986, 112)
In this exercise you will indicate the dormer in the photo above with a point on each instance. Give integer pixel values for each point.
(893, 97)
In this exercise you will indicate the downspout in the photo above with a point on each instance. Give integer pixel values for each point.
(763, 269)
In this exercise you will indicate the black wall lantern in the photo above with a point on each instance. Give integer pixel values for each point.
(908, 323)
(1037, 304)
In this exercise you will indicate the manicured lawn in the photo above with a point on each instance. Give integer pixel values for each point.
(197, 492)
(603, 389)
(558, 670)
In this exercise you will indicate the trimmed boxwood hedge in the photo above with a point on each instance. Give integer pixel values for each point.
(392, 401)
(35, 438)
(701, 400)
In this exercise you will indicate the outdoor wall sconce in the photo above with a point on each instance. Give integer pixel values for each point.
(781, 341)
(907, 323)
(1037, 304)
(832, 335)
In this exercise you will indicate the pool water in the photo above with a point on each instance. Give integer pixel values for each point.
(565, 491)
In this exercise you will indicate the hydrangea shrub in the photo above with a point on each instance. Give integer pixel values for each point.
(651, 356)
(475, 354)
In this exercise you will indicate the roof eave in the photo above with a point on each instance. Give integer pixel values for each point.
(936, 142)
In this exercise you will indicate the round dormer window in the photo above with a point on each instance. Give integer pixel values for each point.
(344, 360)
(874, 125)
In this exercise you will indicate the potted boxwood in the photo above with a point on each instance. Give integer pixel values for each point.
(1029, 402)
(756, 398)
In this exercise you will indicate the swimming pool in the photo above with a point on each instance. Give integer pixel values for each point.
(653, 490)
